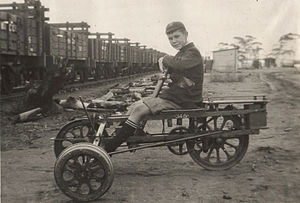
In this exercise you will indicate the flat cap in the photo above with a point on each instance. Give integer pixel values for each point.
(171, 27)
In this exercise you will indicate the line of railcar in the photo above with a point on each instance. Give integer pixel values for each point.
(30, 47)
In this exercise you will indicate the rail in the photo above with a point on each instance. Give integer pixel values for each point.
(21, 93)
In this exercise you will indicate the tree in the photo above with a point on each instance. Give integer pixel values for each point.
(248, 48)
(286, 46)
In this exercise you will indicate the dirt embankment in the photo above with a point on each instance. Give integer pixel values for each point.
(270, 171)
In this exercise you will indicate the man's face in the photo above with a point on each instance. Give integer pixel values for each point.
(178, 39)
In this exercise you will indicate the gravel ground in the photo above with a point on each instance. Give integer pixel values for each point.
(269, 172)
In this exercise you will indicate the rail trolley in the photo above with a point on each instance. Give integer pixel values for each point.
(215, 135)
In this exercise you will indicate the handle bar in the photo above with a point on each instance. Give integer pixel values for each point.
(161, 81)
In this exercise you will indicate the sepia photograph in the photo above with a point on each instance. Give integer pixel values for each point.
(154, 101)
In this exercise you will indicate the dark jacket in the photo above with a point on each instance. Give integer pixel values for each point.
(186, 73)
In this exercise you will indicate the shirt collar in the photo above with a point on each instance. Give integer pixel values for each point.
(188, 45)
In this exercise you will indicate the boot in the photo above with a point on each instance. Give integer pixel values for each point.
(121, 136)
(138, 132)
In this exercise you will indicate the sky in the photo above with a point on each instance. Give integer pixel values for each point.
(207, 21)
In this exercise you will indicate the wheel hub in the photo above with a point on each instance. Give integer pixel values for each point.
(220, 142)
(82, 173)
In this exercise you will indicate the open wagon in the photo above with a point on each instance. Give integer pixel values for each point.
(215, 135)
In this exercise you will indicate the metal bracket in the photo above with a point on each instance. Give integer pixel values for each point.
(99, 134)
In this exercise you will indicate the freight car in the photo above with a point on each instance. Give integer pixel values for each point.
(30, 48)
(21, 43)
(70, 41)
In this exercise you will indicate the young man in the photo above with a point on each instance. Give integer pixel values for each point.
(185, 91)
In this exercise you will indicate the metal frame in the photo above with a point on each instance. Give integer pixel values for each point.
(211, 110)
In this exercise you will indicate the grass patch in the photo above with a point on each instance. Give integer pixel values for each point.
(226, 77)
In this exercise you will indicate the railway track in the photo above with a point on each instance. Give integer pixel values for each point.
(20, 94)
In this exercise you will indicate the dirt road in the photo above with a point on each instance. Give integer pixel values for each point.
(270, 171)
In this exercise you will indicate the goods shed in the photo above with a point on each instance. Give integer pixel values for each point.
(225, 60)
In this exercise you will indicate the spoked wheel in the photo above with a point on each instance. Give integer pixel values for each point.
(219, 153)
(84, 172)
(74, 132)
(178, 148)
